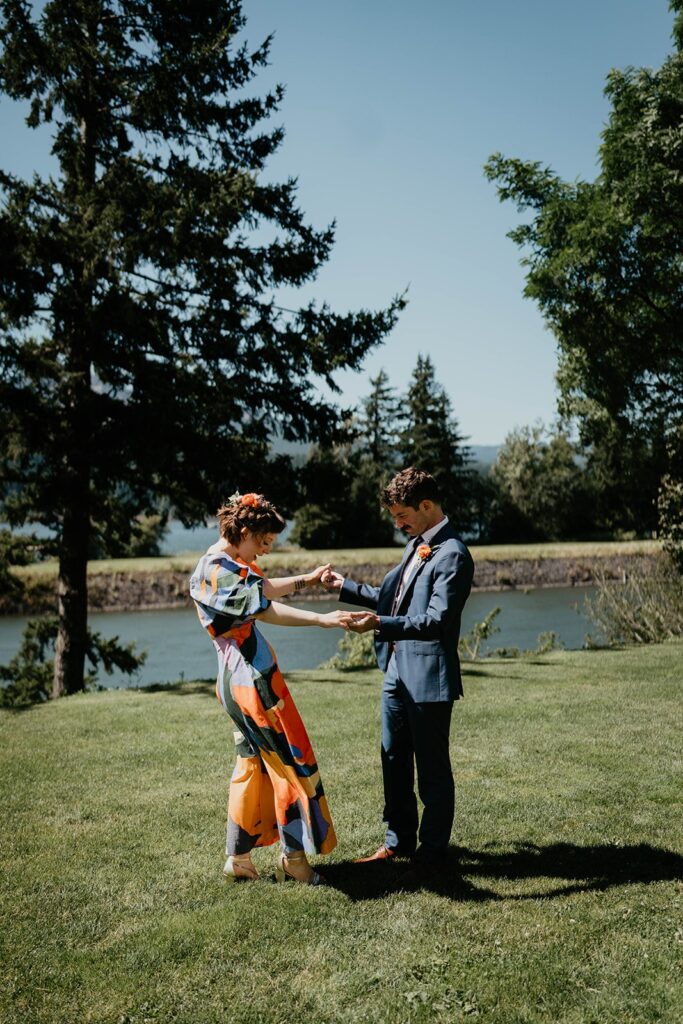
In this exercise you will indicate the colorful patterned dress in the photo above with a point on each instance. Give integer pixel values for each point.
(275, 790)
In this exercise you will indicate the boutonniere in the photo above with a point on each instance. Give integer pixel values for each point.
(423, 552)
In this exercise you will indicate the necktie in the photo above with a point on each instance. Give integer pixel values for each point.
(404, 574)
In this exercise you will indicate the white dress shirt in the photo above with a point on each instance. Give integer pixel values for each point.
(415, 560)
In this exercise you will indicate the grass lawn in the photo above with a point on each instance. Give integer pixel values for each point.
(567, 907)
(298, 559)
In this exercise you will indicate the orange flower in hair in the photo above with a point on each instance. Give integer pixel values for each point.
(253, 500)
(423, 552)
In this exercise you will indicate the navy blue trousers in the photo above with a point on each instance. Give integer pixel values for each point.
(416, 735)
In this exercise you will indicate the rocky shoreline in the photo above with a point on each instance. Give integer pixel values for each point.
(131, 591)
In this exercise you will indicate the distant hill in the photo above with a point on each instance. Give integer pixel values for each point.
(484, 454)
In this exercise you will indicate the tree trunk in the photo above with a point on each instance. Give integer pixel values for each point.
(72, 584)
(72, 595)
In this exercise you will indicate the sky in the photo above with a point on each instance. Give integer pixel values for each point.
(391, 110)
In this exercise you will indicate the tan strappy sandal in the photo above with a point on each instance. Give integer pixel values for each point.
(283, 875)
(238, 869)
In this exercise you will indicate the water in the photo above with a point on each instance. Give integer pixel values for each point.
(181, 540)
(177, 647)
(177, 540)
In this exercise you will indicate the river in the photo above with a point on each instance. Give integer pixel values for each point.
(177, 647)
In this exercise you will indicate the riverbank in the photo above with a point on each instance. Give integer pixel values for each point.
(147, 583)
(557, 904)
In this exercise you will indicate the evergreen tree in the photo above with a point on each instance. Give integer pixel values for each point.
(341, 486)
(374, 461)
(144, 357)
(369, 523)
(341, 507)
(378, 423)
(325, 481)
(430, 440)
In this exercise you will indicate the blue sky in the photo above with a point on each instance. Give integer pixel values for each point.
(391, 110)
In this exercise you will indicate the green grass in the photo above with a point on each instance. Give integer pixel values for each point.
(567, 834)
(298, 559)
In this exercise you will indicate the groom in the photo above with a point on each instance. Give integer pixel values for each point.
(415, 615)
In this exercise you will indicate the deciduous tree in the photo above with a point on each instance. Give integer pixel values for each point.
(543, 492)
(604, 262)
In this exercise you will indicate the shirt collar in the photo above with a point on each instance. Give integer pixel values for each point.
(433, 530)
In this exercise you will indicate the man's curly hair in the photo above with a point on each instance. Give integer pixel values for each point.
(410, 487)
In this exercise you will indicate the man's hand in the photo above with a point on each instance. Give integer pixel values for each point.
(330, 579)
(361, 622)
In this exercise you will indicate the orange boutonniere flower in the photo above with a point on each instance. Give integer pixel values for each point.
(250, 499)
(423, 552)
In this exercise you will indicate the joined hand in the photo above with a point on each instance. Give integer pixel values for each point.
(360, 622)
(316, 575)
(330, 579)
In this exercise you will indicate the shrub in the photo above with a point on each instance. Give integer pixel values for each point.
(471, 643)
(646, 609)
(354, 651)
(546, 642)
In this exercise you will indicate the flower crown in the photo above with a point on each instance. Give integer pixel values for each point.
(252, 500)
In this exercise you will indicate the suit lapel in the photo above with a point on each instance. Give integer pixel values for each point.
(409, 583)
(437, 539)
(407, 555)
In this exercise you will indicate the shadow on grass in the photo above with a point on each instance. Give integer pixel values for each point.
(470, 671)
(207, 687)
(336, 676)
(471, 875)
(192, 687)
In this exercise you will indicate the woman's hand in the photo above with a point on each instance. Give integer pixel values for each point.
(314, 578)
(331, 620)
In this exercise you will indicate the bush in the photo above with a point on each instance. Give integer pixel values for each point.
(548, 641)
(646, 609)
(354, 651)
(470, 643)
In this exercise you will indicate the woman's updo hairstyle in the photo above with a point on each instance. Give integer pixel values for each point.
(252, 511)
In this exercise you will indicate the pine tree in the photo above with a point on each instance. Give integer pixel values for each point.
(378, 423)
(143, 355)
(430, 439)
(340, 487)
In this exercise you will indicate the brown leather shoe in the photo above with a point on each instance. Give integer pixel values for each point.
(382, 853)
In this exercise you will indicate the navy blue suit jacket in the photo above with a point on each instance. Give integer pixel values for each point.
(425, 627)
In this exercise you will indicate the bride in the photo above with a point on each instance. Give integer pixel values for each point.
(275, 790)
